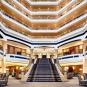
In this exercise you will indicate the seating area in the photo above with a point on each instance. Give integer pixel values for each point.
(82, 81)
(12, 82)
(3, 79)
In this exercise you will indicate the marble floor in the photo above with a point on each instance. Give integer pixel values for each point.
(17, 83)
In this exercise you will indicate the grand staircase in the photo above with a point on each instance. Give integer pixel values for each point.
(44, 71)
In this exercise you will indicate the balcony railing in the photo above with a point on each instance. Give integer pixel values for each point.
(45, 28)
(60, 10)
(31, 38)
(30, 12)
(35, 3)
(71, 58)
(42, 0)
(16, 58)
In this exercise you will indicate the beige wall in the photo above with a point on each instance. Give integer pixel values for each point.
(85, 57)
(19, 45)
(45, 51)
(85, 65)
(72, 44)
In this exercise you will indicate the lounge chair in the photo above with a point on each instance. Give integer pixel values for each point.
(4, 80)
(82, 82)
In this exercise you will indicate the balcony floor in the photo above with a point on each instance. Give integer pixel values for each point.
(17, 83)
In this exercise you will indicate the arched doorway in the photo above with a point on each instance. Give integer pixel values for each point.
(44, 56)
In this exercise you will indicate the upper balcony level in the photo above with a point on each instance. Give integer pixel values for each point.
(14, 51)
(70, 59)
(44, 5)
(20, 26)
(16, 58)
(43, 0)
(44, 23)
(45, 39)
(29, 13)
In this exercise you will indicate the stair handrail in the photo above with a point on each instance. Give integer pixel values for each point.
(59, 68)
(24, 79)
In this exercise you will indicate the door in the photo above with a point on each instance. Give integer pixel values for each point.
(44, 56)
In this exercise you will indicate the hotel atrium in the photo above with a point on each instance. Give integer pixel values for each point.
(43, 40)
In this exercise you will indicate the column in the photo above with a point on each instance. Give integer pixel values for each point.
(56, 52)
(4, 58)
(40, 55)
(48, 55)
(31, 55)
(85, 57)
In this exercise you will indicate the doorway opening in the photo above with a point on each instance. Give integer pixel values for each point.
(44, 56)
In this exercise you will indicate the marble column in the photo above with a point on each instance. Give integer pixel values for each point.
(85, 57)
(56, 52)
(4, 58)
(31, 55)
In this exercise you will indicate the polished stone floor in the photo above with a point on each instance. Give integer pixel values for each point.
(17, 83)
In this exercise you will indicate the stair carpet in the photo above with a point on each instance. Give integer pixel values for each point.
(44, 71)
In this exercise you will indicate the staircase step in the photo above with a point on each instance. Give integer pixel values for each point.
(44, 71)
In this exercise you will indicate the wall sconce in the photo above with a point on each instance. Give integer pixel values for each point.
(81, 46)
(80, 69)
